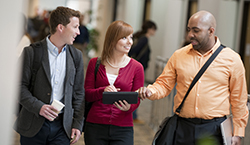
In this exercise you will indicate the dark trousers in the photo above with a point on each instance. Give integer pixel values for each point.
(135, 114)
(199, 131)
(51, 133)
(100, 134)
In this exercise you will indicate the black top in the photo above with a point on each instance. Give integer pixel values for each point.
(141, 51)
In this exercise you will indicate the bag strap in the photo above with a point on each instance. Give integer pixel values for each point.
(199, 74)
(37, 60)
(98, 62)
(142, 52)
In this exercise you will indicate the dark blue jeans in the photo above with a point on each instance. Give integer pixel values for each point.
(51, 133)
(135, 114)
(101, 134)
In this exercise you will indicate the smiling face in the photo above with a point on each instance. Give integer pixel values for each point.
(118, 38)
(71, 30)
(124, 44)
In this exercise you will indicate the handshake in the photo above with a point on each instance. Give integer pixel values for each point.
(144, 93)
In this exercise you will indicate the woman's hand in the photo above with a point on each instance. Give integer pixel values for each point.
(122, 105)
(111, 88)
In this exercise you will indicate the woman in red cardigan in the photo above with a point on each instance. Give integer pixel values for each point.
(112, 124)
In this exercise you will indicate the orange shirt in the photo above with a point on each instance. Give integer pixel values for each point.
(223, 84)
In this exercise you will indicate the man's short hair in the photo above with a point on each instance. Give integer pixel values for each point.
(61, 15)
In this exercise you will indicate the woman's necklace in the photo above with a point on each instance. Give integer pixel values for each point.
(114, 65)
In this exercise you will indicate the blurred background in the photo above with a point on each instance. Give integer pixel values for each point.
(30, 17)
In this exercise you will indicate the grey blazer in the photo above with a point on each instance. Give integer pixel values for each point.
(29, 122)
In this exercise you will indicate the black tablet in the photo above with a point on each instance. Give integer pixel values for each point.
(111, 97)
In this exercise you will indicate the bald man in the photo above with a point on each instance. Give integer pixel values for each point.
(223, 85)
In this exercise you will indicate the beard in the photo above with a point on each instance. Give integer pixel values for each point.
(195, 43)
(196, 47)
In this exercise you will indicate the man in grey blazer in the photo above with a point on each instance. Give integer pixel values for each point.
(60, 77)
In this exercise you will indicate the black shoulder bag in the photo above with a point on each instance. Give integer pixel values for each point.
(166, 133)
(89, 104)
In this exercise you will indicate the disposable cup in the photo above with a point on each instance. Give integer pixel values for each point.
(58, 105)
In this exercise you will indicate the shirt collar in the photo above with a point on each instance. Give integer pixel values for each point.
(217, 44)
(52, 48)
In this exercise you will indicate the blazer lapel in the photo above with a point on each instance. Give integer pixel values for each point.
(45, 61)
(69, 65)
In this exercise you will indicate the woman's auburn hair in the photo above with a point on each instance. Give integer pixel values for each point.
(115, 31)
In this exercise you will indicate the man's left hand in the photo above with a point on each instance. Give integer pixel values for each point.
(236, 140)
(75, 135)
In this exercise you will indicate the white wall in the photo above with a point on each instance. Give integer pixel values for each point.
(51, 4)
(131, 12)
(225, 13)
(212, 6)
(30, 7)
(9, 75)
(227, 22)
(81, 5)
(169, 17)
(102, 18)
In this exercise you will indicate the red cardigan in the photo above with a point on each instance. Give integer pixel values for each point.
(130, 78)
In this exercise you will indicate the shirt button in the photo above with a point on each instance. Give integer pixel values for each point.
(48, 94)
(196, 108)
(199, 81)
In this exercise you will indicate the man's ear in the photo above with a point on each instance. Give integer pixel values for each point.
(60, 27)
(211, 31)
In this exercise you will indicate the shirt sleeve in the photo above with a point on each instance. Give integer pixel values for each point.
(165, 82)
(238, 97)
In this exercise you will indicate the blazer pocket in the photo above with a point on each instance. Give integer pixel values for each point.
(25, 119)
